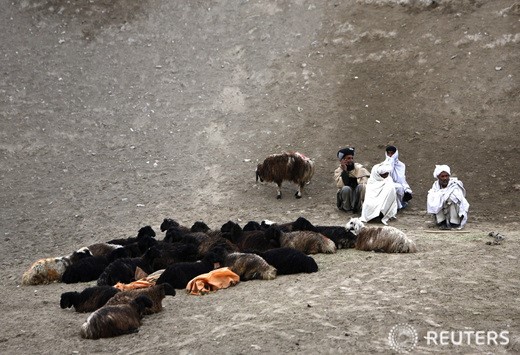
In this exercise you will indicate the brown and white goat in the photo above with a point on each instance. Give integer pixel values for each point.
(288, 166)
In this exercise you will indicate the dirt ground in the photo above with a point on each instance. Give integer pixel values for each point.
(117, 114)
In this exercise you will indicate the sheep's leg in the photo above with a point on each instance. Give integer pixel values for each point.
(279, 190)
(298, 193)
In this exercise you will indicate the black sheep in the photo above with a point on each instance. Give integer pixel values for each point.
(171, 253)
(143, 232)
(253, 226)
(289, 261)
(123, 270)
(85, 270)
(89, 299)
(260, 240)
(178, 275)
(170, 223)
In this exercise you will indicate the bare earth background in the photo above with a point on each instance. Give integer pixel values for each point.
(116, 114)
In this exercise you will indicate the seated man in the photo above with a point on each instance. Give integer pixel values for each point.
(447, 200)
(380, 196)
(351, 180)
(398, 174)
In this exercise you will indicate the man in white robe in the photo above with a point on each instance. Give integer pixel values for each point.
(380, 195)
(447, 200)
(398, 174)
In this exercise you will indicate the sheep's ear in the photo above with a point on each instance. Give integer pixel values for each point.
(140, 274)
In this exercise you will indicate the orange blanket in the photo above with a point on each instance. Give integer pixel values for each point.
(212, 281)
(144, 282)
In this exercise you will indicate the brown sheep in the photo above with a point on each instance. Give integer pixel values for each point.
(288, 166)
(119, 319)
(307, 242)
(156, 294)
(250, 266)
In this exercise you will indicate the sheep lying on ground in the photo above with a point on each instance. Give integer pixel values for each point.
(171, 253)
(155, 293)
(119, 319)
(289, 261)
(179, 274)
(381, 239)
(250, 266)
(49, 270)
(85, 270)
(307, 242)
(123, 270)
(343, 238)
(89, 299)
(168, 223)
(143, 232)
(102, 249)
(259, 240)
(288, 166)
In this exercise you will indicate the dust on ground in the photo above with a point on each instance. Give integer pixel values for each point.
(116, 115)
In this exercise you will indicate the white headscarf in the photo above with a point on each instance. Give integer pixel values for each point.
(384, 169)
(439, 169)
(398, 171)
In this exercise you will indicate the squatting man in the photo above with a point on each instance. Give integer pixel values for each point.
(447, 200)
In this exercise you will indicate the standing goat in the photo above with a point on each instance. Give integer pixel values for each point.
(288, 166)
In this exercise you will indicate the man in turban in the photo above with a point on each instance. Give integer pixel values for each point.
(398, 174)
(447, 200)
(380, 196)
(351, 179)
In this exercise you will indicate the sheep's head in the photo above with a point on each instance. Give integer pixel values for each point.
(146, 231)
(354, 225)
(258, 173)
(168, 223)
(80, 254)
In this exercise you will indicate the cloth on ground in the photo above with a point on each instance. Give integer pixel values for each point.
(144, 282)
(212, 281)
